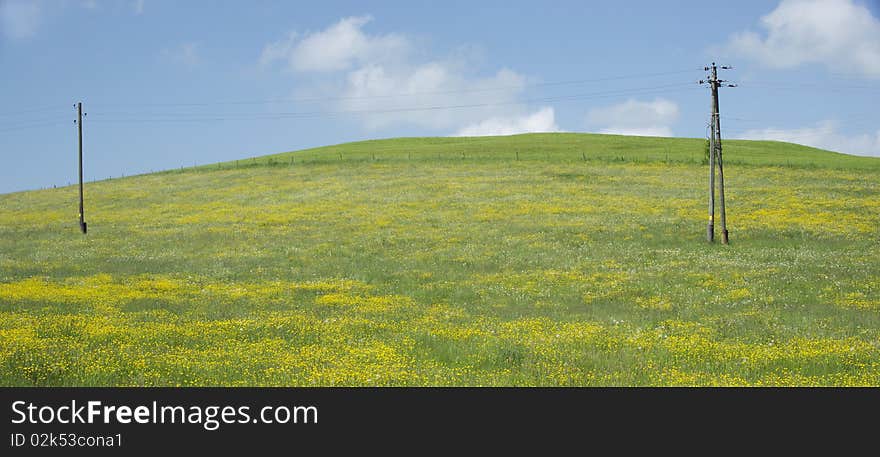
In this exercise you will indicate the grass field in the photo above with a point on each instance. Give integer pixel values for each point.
(545, 259)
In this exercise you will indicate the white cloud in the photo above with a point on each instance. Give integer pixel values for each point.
(837, 33)
(634, 117)
(138, 6)
(638, 131)
(405, 94)
(279, 50)
(543, 120)
(339, 47)
(380, 77)
(19, 18)
(823, 135)
(185, 54)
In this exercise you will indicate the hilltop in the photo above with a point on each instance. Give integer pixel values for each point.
(572, 147)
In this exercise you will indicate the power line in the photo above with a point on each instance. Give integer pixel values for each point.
(12, 124)
(849, 119)
(799, 86)
(194, 117)
(33, 110)
(31, 126)
(408, 94)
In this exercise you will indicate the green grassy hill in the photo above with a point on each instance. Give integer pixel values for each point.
(541, 259)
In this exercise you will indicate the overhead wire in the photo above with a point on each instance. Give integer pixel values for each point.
(403, 94)
(12, 123)
(204, 117)
(31, 126)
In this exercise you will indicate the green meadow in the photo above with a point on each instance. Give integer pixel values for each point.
(528, 260)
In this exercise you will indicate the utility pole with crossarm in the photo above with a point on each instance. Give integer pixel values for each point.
(715, 156)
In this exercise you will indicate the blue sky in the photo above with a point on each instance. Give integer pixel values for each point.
(169, 84)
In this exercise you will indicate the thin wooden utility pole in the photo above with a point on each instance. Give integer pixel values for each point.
(79, 124)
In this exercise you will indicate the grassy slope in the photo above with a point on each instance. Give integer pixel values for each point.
(447, 261)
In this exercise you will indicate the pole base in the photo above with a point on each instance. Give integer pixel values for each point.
(83, 227)
(710, 232)
(724, 237)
